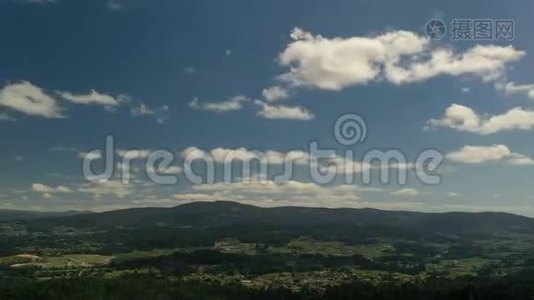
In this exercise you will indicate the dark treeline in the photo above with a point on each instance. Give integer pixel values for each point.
(150, 286)
(235, 263)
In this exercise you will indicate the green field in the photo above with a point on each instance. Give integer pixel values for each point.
(59, 262)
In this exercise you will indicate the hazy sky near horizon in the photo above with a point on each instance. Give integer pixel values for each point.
(235, 76)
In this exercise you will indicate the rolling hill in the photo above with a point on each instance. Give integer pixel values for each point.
(223, 214)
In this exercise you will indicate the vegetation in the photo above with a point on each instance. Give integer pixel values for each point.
(229, 251)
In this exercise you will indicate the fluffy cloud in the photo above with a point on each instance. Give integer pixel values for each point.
(114, 5)
(198, 197)
(463, 118)
(189, 70)
(494, 153)
(107, 188)
(222, 155)
(270, 193)
(334, 163)
(29, 99)
(143, 110)
(134, 153)
(93, 97)
(171, 170)
(487, 62)
(4, 117)
(271, 187)
(93, 155)
(26, 98)
(265, 110)
(406, 192)
(397, 56)
(283, 112)
(41, 188)
(233, 104)
(143, 154)
(510, 88)
(275, 93)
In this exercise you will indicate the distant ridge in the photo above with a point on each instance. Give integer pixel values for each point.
(10, 215)
(226, 213)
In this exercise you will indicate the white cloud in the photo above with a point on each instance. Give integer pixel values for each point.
(190, 70)
(482, 154)
(283, 112)
(114, 5)
(29, 99)
(4, 117)
(24, 97)
(341, 165)
(93, 97)
(222, 155)
(397, 56)
(270, 193)
(193, 153)
(143, 110)
(228, 52)
(519, 160)
(271, 187)
(93, 155)
(41, 188)
(197, 197)
(335, 164)
(485, 61)
(265, 110)
(134, 153)
(463, 118)
(235, 103)
(275, 93)
(169, 170)
(406, 192)
(108, 187)
(510, 88)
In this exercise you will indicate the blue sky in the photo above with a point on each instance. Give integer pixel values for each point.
(270, 75)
